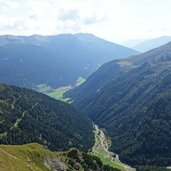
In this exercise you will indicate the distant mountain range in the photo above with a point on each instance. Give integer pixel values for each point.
(54, 61)
(27, 116)
(151, 44)
(133, 42)
(131, 99)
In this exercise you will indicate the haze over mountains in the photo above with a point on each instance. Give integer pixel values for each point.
(131, 99)
(54, 60)
(146, 45)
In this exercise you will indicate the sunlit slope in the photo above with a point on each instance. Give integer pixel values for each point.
(34, 157)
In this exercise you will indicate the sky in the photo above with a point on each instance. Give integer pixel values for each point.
(114, 20)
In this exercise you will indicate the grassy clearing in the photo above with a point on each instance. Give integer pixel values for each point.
(58, 93)
(54, 93)
(108, 161)
(23, 158)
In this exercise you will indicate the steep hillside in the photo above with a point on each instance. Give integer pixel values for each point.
(132, 102)
(34, 157)
(54, 61)
(151, 44)
(27, 116)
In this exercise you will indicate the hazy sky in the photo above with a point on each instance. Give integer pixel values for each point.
(115, 20)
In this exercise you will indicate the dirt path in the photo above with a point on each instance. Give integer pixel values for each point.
(13, 104)
(20, 119)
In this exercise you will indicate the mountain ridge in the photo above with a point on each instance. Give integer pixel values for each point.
(131, 101)
(35, 60)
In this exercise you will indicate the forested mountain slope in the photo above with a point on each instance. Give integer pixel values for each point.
(54, 61)
(27, 116)
(132, 102)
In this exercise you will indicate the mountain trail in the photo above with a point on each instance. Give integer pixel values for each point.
(20, 119)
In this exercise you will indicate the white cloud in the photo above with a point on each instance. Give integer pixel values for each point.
(39, 8)
(68, 15)
(10, 4)
(115, 20)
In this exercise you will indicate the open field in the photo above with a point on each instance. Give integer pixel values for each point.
(59, 92)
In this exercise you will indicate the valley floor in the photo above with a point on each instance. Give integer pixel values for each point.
(101, 150)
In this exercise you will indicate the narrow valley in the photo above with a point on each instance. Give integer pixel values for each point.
(85, 85)
(101, 150)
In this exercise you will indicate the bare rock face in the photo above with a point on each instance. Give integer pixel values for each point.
(54, 164)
